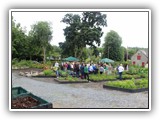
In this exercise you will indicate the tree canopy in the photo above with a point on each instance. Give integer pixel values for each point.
(42, 35)
(82, 31)
(19, 41)
(112, 46)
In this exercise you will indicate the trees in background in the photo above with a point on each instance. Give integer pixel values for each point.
(42, 35)
(35, 45)
(82, 35)
(82, 31)
(112, 46)
(19, 41)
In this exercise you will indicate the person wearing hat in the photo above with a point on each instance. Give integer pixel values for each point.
(120, 71)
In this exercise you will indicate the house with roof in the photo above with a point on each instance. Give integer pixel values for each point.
(140, 58)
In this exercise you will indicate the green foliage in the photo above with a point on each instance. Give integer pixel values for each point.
(19, 41)
(112, 46)
(33, 45)
(68, 78)
(81, 32)
(22, 63)
(48, 72)
(100, 77)
(14, 61)
(42, 34)
(130, 76)
(93, 59)
(129, 84)
(63, 73)
(26, 63)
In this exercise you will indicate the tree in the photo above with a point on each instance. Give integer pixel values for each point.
(33, 51)
(112, 46)
(19, 41)
(42, 35)
(53, 51)
(82, 31)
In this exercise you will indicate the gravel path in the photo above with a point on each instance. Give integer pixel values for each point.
(80, 95)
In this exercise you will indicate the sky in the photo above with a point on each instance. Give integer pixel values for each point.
(132, 27)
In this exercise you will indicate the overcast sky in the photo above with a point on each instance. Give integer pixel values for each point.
(131, 26)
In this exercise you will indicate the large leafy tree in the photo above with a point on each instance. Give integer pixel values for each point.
(112, 46)
(19, 41)
(82, 31)
(34, 51)
(42, 35)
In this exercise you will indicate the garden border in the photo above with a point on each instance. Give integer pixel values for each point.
(102, 80)
(111, 80)
(42, 76)
(65, 81)
(125, 90)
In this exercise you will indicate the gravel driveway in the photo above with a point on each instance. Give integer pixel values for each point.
(80, 95)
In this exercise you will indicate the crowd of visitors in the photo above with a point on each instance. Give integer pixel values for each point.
(83, 70)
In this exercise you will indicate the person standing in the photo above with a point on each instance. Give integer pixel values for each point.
(120, 71)
(77, 70)
(82, 71)
(56, 64)
(86, 72)
(57, 68)
(106, 69)
(101, 69)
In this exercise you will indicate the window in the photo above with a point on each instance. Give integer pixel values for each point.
(134, 62)
(138, 57)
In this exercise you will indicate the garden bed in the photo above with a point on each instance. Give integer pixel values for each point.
(28, 101)
(43, 76)
(128, 85)
(63, 80)
(126, 90)
(102, 80)
(104, 77)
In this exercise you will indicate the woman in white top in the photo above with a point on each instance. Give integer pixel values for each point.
(101, 69)
(120, 71)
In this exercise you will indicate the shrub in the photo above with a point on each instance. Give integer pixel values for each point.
(69, 78)
(100, 77)
(129, 84)
(48, 72)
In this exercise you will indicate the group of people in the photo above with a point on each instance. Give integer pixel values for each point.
(83, 70)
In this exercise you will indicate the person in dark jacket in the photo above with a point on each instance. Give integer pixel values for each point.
(86, 72)
(77, 70)
(82, 71)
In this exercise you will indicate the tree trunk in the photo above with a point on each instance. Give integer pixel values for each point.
(44, 55)
(75, 53)
(80, 55)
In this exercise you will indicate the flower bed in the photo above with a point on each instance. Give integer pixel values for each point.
(70, 79)
(128, 85)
